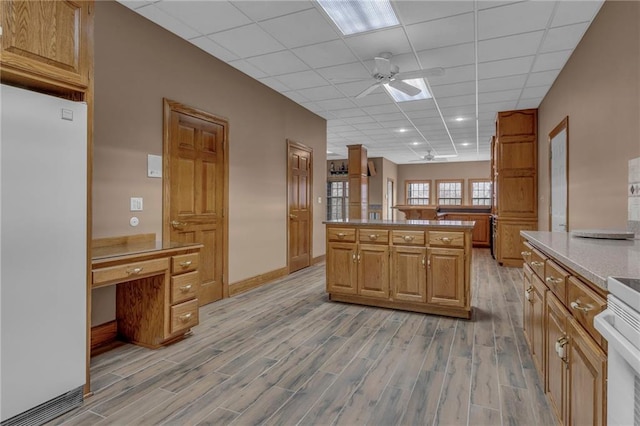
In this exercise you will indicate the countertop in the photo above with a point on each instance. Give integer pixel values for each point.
(594, 259)
(418, 223)
(121, 250)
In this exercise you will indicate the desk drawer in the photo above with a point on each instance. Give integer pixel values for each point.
(556, 279)
(447, 239)
(185, 263)
(184, 286)
(348, 235)
(408, 238)
(130, 271)
(537, 262)
(374, 236)
(585, 304)
(184, 315)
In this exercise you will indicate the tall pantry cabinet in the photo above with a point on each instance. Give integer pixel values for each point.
(515, 182)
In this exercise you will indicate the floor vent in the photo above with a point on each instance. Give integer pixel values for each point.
(48, 410)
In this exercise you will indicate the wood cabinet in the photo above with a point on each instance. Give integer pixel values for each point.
(515, 182)
(573, 361)
(358, 182)
(481, 229)
(422, 268)
(48, 44)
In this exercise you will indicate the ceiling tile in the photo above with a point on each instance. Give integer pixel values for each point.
(325, 54)
(442, 32)
(510, 46)
(353, 89)
(302, 80)
(136, 4)
(204, 16)
(334, 104)
(446, 57)
(534, 92)
(359, 120)
(250, 40)
(502, 83)
(369, 45)
(510, 19)
(411, 12)
(367, 126)
(274, 84)
(300, 29)
(349, 112)
(390, 116)
(457, 100)
(260, 10)
(543, 78)
(248, 68)
(563, 38)
(162, 18)
(499, 96)
(278, 63)
(505, 67)
(455, 75)
(345, 72)
(213, 48)
(320, 93)
(295, 96)
(529, 103)
(571, 12)
(377, 97)
(551, 61)
(422, 104)
(380, 109)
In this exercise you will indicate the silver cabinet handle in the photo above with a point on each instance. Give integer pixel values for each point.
(578, 306)
(134, 271)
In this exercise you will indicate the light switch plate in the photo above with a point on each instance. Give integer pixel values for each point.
(136, 204)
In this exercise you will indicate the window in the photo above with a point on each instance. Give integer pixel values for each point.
(450, 192)
(480, 192)
(418, 192)
(337, 200)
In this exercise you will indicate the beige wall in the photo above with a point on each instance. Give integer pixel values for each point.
(138, 63)
(444, 170)
(599, 90)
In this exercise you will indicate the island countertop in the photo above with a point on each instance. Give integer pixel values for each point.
(418, 223)
(594, 259)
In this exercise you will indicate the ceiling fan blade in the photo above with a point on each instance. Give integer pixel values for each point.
(430, 72)
(404, 87)
(383, 66)
(368, 90)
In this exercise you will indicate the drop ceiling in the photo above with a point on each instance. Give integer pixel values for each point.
(496, 56)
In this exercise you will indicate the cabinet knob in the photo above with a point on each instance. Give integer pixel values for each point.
(445, 239)
(185, 288)
(536, 263)
(373, 237)
(134, 271)
(340, 235)
(185, 317)
(525, 253)
(185, 264)
(408, 238)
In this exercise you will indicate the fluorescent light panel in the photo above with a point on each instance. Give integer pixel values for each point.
(358, 16)
(399, 96)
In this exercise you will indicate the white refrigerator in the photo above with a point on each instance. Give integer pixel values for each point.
(43, 249)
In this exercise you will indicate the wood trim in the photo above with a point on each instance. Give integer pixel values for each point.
(298, 145)
(103, 334)
(319, 259)
(406, 190)
(123, 240)
(168, 106)
(563, 125)
(257, 281)
(450, 311)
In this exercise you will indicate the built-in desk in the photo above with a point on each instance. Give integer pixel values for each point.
(156, 287)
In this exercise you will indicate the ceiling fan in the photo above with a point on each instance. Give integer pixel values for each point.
(433, 157)
(385, 72)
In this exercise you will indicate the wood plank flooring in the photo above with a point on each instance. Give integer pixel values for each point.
(283, 354)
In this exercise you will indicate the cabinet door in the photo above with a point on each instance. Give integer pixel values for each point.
(587, 378)
(445, 277)
(408, 274)
(373, 270)
(557, 365)
(341, 268)
(510, 243)
(480, 234)
(47, 40)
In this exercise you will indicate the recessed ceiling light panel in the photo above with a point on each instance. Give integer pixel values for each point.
(358, 16)
(399, 96)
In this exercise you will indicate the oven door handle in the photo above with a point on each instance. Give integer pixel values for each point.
(617, 341)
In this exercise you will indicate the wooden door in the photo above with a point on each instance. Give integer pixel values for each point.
(409, 275)
(373, 270)
(195, 180)
(445, 277)
(342, 268)
(587, 378)
(557, 366)
(300, 204)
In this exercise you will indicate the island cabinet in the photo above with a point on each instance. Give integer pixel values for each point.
(568, 352)
(421, 266)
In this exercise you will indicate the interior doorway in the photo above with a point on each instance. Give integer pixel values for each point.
(195, 191)
(299, 205)
(390, 199)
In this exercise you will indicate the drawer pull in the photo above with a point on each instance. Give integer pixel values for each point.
(134, 271)
(408, 238)
(578, 306)
(186, 264)
(536, 263)
(185, 288)
(185, 317)
(424, 262)
(340, 235)
(358, 257)
(354, 257)
(554, 281)
(560, 344)
(445, 240)
(525, 253)
(527, 294)
(373, 237)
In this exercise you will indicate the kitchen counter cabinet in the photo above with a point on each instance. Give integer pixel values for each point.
(415, 265)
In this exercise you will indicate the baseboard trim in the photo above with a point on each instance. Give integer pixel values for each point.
(103, 334)
(257, 281)
(318, 259)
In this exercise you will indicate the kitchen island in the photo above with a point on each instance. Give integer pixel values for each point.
(414, 265)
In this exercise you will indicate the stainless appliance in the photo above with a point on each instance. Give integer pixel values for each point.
(43, 255)
(619, 324)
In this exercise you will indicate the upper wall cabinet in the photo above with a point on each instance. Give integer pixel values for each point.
(47, 44)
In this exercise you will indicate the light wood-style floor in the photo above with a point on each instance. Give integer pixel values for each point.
(284, 354)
